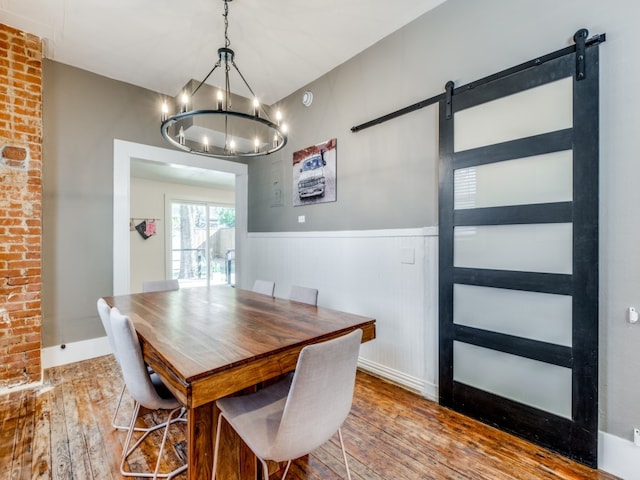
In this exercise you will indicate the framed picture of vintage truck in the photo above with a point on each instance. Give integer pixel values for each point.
(314, 174)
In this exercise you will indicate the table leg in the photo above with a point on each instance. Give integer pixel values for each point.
(235, 460)
(200, 441)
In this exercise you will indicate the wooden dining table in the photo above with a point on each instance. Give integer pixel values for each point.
(209, 342)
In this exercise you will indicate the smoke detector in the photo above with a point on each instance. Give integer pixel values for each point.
(307, 98)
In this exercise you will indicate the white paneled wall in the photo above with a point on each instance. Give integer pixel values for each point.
(390, 275)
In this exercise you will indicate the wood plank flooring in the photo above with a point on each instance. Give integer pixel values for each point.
(62, 430)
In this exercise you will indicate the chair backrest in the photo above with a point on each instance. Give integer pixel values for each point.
(265, 287)
(304, 295)
(134, 371)
(104, 311)
(160, 285)
(320, 396)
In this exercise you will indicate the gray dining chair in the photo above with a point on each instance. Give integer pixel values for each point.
(160, 285)
(265, 287)
(147, 391)
(294, 416)
(304, 295)
(104, 312)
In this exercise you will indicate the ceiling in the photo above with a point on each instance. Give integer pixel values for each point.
(280, 45)
(182, 174)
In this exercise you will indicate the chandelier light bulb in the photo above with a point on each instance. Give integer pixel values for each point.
(256, 144)
(232, 146)
(205, 144)
(181, 136)
(165, 111)
(185, 102)
(278, 117)
(220, 97)
(284, 128)
(256, 107)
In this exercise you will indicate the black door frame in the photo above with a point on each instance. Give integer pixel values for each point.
(575, 437)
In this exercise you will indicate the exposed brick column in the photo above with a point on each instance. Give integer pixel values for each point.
(20, 206)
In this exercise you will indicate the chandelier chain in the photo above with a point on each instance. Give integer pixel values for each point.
(227, 86)
(227, 42)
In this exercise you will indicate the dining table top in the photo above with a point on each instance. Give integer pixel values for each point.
(226, 338)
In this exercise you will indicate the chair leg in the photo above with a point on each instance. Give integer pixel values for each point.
(127, 450)
(265, 469)
(164, 441)
(344, 454)
(115, 413)
(286, 470)
(216, 447)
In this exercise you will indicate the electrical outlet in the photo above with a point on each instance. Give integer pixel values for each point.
(636, 436)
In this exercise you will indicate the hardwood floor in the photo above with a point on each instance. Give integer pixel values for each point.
(62, 430)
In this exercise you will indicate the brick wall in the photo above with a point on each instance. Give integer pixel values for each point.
(20, 206)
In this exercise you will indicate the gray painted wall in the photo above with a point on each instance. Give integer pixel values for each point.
(387, 175)
(82, 114)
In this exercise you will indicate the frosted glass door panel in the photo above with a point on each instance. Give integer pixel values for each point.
(537, 384)
(544, 248)
(537, 179)
(531, 112)
(537, 316)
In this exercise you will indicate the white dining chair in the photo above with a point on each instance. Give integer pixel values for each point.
(160, 285)
(265, 287)
(304, 295)
(293, 417)
(104, 312)
(147, 391)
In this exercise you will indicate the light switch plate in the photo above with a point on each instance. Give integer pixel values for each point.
(407, 255)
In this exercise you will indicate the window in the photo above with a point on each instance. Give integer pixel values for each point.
(202, 244)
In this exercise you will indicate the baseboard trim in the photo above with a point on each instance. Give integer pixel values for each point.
(618, 456)
(409, 382)
(75, 352)
(19, 387)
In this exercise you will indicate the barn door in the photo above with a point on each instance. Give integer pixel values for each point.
(518, 221)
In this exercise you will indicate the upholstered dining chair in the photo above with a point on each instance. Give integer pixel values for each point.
(304, 295)
(293, 417)
(265, 287)
(147, 391)
(104, 312)
(160, 285)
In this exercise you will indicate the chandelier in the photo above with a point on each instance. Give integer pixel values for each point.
(208, 125)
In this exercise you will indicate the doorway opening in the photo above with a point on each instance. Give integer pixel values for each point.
(123, 154)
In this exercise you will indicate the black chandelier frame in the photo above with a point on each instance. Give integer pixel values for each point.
(277, 137)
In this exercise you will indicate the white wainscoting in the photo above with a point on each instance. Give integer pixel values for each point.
(390, 275)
